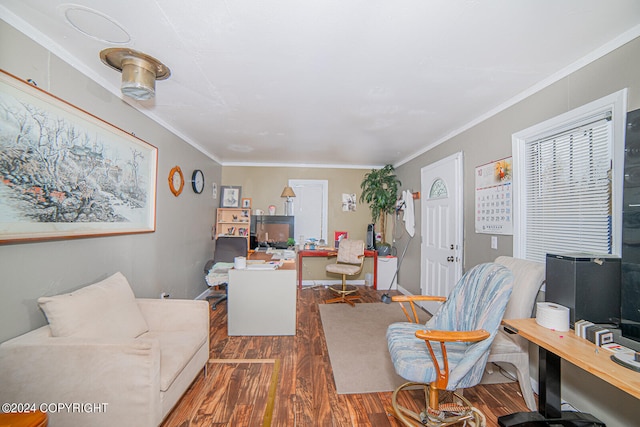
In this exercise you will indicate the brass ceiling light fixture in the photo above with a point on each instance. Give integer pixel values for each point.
(139, 71)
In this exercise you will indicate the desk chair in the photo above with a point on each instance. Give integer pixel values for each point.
(349, 263)
(226, 250)
(464, 327)
(510, 348)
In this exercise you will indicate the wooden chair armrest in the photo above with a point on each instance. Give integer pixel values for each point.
(410, 299)
(453, 336)
(442, 372)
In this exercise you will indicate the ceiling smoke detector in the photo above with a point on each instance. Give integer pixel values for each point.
(139, 71)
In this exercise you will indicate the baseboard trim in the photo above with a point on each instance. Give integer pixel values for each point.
(203, 295)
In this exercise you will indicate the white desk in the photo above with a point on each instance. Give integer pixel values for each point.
(262, 302)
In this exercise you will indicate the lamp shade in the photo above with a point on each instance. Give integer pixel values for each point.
(288, 192)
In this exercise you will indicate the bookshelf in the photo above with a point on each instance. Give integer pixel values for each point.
(233, 222)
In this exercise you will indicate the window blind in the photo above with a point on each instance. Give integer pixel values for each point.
(568, 191)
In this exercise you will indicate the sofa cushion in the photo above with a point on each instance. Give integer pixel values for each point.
(504, 344)
(176, 350)
(104, 309)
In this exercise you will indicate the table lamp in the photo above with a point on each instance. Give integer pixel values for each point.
(288, 204)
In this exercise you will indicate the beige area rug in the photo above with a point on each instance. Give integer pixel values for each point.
(357, 344)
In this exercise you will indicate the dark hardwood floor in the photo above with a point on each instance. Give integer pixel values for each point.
(288, 381)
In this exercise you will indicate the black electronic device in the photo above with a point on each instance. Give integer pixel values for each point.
(589, 285)
(630, 292)
(271, 230)
(371, 237)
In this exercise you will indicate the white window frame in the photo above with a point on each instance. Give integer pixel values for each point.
(616, 104)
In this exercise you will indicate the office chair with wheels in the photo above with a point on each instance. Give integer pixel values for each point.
(216, 270)
(349, 263)
(464, 328)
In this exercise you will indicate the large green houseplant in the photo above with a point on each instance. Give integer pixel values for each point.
(380, 190)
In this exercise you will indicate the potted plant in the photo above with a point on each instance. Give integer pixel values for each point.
(380, 190)
(291, 242)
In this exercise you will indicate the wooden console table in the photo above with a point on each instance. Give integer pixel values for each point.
(24, 419)
(555, 346)
(326, 253)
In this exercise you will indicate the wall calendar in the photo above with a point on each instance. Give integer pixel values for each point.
(494, 197)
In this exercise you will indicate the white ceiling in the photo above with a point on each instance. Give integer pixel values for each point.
(330, 82)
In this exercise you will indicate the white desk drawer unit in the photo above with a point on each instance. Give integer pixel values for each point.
(386, 270)
(262, 302)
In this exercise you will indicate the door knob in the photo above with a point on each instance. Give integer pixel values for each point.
(450, 258)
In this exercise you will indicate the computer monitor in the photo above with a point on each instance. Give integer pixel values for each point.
(630, 293)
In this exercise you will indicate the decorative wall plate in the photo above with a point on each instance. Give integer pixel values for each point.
(176, 180)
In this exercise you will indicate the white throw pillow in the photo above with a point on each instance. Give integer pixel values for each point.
(104, 309)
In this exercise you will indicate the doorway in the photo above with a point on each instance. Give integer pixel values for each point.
(442, 228)
(310, 207)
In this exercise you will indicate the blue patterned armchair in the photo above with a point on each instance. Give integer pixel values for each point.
(457, 338)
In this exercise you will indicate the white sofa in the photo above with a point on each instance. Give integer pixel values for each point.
(121, 361)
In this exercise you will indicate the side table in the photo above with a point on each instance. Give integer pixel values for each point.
(24, 419)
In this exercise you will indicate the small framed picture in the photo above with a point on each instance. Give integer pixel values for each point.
(246, 202)
(338, 236)
(230, 196)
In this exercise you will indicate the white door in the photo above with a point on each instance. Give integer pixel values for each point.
(441, 249)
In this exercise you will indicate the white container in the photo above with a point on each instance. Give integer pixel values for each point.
(368, 279)
(552, 316)
(240, 263)
(386, 271)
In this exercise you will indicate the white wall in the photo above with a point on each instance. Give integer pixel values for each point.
(169, 260)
